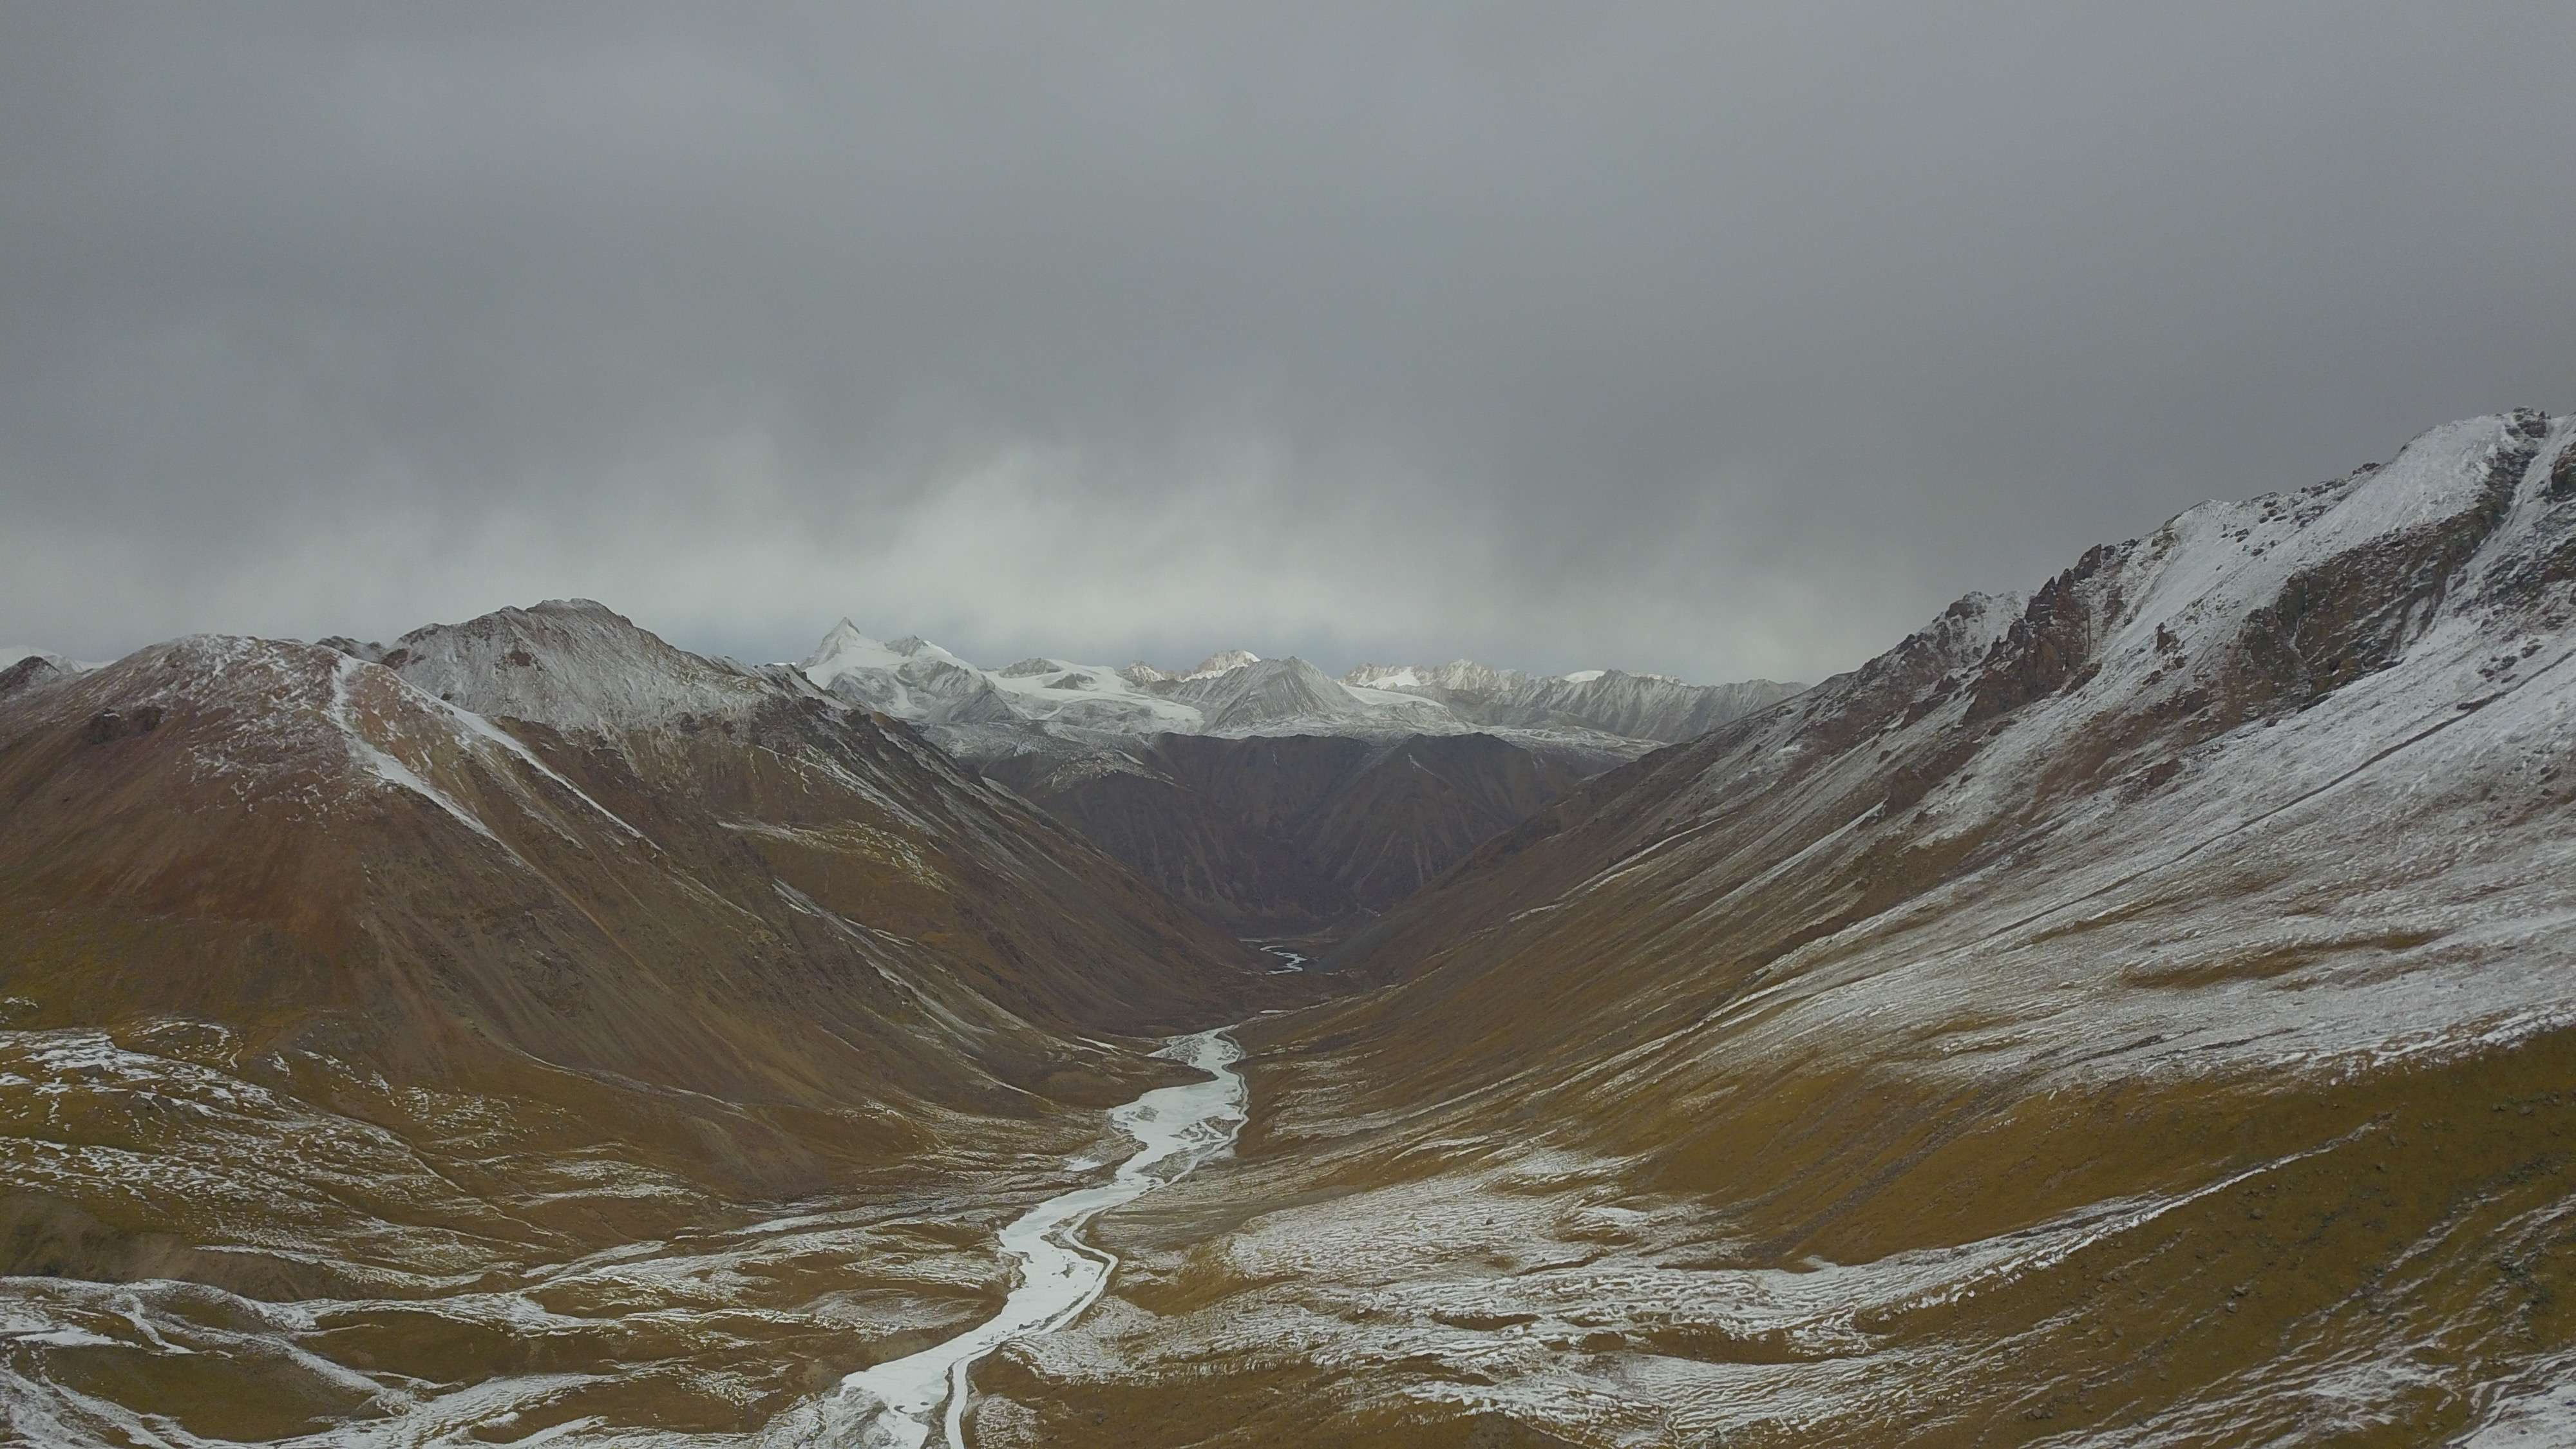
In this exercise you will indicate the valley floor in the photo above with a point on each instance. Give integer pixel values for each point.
(402, 1294)
(2391, 1260)
(2391, 1263)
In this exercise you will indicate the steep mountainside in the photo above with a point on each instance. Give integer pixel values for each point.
(1284, 836)
(407, 984)
(2141, 1015)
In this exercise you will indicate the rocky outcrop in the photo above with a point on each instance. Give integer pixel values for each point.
(31, 672)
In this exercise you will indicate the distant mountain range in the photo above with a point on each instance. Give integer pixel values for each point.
(1435, 758)
(1238, 786)
(1044, 704)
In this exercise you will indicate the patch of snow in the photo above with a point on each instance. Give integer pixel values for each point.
(394, 772)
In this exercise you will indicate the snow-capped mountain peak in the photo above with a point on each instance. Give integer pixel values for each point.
(913, 646)
(573, 664)
(848, 647)
(1457, 674)
(1225, 661)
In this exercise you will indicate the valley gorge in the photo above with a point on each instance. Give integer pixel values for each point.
(2140, 1011)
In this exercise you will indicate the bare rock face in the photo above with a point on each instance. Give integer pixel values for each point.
(31, 672)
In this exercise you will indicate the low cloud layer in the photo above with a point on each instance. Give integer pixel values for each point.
(1668, 337)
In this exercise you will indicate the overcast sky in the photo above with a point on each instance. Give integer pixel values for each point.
(1723, 340)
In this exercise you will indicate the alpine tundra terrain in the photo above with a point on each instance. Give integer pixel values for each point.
(2138, 1013)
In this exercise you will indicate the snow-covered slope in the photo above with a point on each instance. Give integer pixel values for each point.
(2352, 660)
(572, 664)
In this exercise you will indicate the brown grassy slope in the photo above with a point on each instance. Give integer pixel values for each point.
(786, 909)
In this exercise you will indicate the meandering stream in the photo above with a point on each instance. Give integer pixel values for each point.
(897, 1405)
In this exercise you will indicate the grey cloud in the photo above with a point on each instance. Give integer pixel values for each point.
(1675, 337)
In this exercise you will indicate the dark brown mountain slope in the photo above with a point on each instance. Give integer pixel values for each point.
(1278, 836)
(328, 807)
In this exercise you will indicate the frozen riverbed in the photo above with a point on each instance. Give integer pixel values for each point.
(898, 1405)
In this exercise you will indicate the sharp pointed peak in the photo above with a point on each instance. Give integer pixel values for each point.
(1224, 661)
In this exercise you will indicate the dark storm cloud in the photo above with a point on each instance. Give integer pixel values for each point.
(1682, 337)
